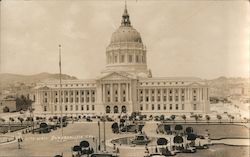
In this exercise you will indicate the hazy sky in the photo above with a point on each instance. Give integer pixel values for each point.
(205, 39)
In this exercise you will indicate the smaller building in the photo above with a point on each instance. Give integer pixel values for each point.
(8, 105)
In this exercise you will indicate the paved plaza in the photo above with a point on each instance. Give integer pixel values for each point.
(51, 144)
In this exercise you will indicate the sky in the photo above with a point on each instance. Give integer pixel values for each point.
(206, 38)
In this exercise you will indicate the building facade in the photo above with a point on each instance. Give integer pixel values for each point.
(125, 85)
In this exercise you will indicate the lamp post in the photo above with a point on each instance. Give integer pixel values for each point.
(99, 136)
(104, 133)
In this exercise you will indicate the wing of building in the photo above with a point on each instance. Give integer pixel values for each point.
(125, 85)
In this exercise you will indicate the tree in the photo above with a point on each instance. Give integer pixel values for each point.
(207, 118)
(219, 118)
(184, 117)
(167, 128)
(172, 117)
(178, 128)
(23, 103)
(115, 127)
(189, 130)
(196, 117)
(21, 120)
(6, 109)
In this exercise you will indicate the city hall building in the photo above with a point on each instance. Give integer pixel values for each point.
(125, 85)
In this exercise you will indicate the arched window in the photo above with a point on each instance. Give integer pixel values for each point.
(116, 109)
(108, 109)
(124, 109)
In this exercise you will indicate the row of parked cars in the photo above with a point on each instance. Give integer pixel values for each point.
(84, 149)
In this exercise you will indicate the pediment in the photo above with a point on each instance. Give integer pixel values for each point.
(195, 84)
(117, 76)
(44, 88)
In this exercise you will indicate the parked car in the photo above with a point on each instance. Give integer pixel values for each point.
(85, 148)
(103, 155)
(189, 150)
(76, 151)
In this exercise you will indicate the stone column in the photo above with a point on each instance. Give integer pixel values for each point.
(119, 92)
(127, 92)
(143, 94)
(85, 95)
(111, 92)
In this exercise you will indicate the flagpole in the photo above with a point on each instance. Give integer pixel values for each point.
(60, 101)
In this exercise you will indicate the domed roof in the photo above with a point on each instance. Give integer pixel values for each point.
(126, 33)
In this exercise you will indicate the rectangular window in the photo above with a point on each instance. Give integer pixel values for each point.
(176, 91)
(164, 98)
(77, 93)
(194, 98)
(159, 107)
(76, 107)
(77, 99)
(66, 108)
(141, 98)
(124, 99)
(122, 59)
(176, 106)
(182, 98)
(194, 107)
(141, 107)
(82, 108)
(182, 91)
(45, 108)
(71, 107)
(170, 106)
(82, 99)
(87, 99)
(130, 58)
(146, 106)
(137, 59)
(93, 107)
(152, 98)
(164, 106)
(170, 98)
(55, 108)
(176, 98)
(153, 106)
(87, 107)
(194, 91)
(146, 98)
(66, 100)
(56, 100)
(71, 100)
(93, 99)
(158, 98)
